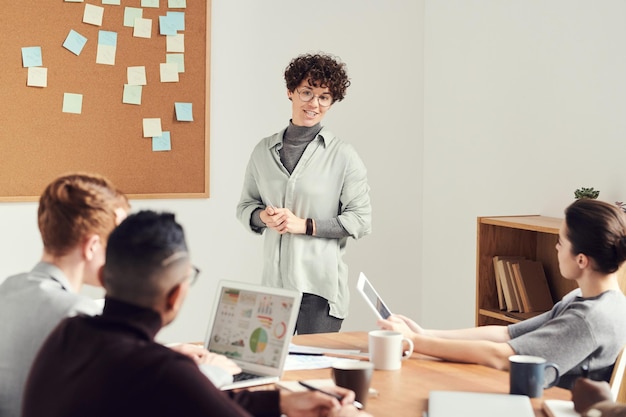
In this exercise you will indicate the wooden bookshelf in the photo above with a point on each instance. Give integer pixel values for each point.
(533, 237)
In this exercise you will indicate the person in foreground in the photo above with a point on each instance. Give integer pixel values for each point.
(586, 329)
(110, 365)
(309, 190)
(594, 399)
(76, 214)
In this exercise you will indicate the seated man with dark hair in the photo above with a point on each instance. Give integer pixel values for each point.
(110, 365)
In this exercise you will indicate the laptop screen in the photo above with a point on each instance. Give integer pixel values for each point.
(253, 324)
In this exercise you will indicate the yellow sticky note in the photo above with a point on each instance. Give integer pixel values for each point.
(152, 127)
(37, 77)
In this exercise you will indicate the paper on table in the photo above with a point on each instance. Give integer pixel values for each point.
(559, 408)
(298, 362)
(478, 404)
(293, 348)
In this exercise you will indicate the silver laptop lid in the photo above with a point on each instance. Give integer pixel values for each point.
(253, 325)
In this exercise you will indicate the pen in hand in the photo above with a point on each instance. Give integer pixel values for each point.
(337, 396)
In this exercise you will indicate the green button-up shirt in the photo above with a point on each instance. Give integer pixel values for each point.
(329, 181)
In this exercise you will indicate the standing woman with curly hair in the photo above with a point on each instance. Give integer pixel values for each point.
(309, 190)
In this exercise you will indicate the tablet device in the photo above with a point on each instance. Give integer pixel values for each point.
(371, 296)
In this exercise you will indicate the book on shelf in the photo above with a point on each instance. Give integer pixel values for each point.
(501, 273)
(523, 285)
(509, 299)
(499, 291)
(521, 288)
(515, 285)
(535, 285)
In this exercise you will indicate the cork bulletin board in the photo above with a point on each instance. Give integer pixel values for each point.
(70, 102)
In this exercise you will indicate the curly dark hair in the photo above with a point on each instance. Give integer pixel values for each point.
(321, 70)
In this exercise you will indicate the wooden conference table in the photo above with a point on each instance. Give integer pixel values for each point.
(404, 393)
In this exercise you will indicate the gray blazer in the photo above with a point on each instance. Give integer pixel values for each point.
(31, 305)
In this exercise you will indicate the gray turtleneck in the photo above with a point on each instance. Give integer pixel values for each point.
(295, 141)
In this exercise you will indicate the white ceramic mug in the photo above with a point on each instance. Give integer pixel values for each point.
(386, 349)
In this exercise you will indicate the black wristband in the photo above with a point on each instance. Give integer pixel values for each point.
(309, 227)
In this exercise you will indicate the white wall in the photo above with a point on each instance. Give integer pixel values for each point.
(459, 109)
(524, 103)
(382, 116)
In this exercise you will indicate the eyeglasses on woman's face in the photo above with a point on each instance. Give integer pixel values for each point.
(307, 95)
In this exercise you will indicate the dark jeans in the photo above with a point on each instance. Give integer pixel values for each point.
(314, 317)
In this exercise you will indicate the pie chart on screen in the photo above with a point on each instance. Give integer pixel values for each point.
(258, 340)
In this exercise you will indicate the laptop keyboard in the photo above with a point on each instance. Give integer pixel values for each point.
(243, 376)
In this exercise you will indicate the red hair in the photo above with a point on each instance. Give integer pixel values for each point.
(75, 206)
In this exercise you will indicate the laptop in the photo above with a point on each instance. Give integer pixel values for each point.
(253, 325)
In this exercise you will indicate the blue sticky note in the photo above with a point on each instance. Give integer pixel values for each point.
(31, 56)
(75, 42)
(183, 112)
(177, 19)
(167, 26)
(108, 38)
(162, 143)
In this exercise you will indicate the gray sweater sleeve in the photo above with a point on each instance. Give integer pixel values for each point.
(255, 220)
(330, 229)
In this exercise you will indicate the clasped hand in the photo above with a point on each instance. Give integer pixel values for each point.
(283, 220)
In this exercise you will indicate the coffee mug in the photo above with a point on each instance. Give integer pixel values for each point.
(353, 375)
(386, 349)
(527, 375)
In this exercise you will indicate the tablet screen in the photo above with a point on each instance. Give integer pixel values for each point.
(371, 296)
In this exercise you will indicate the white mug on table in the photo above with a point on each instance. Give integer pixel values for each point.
(386, 349)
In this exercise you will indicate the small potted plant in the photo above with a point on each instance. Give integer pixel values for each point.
(586, 193)
(593, 194)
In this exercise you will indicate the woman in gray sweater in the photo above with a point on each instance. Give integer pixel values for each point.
(585, 330)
